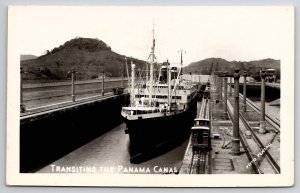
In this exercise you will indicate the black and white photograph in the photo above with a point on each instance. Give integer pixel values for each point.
(150, 96)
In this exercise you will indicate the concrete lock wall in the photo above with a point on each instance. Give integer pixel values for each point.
(44, 140)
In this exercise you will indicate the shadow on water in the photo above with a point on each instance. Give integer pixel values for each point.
(160, 150)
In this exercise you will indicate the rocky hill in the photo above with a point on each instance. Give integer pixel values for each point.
(209, 65)
(89, 57)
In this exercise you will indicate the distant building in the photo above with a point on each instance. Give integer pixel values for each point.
(196, 77)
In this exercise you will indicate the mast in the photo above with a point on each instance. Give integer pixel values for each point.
(147, 71)
(179, 76)
(181, 60)
(132, 82)
(123, 73)
(127, 71)
(152, 61)
(169, 82)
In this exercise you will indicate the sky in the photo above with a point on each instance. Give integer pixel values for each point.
(232, 33)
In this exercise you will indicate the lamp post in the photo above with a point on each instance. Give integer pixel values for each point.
(102, 92)
(235, 150)
(132, 81)
(263, 75)
(230, 86)
(262, 128)
(225, 79)
(244, 91)
(22, 106)
(221, 86)
(217, 83)
(73, 85)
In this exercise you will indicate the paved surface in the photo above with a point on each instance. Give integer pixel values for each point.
(223, 161)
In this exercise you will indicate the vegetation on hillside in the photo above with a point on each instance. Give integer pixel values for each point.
(89, 57)
(210, 65)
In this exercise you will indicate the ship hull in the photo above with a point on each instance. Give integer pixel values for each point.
(152, 136)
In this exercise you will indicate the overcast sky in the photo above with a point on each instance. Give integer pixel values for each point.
(232, 33)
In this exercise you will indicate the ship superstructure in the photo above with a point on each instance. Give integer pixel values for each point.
(160, 107)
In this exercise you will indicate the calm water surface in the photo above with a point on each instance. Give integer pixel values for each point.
(109, 154)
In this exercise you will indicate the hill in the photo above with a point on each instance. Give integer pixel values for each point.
(89, 57)
(209, 65)
(27, 57)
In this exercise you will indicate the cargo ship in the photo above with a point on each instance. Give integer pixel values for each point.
(161, 109)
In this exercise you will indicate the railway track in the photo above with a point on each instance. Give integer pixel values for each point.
(198, 162)
(270, 159)
(272, 121)
(256, 148)
(200, 155)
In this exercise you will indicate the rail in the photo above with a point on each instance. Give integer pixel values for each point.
(272, 121)
(270, 159)
(198, 162)
(260, 145)
(68, 94)
(65, 106)
(246, 147)
(68, 83)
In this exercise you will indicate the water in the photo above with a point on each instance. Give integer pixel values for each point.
(109, 154)
(272, 110)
